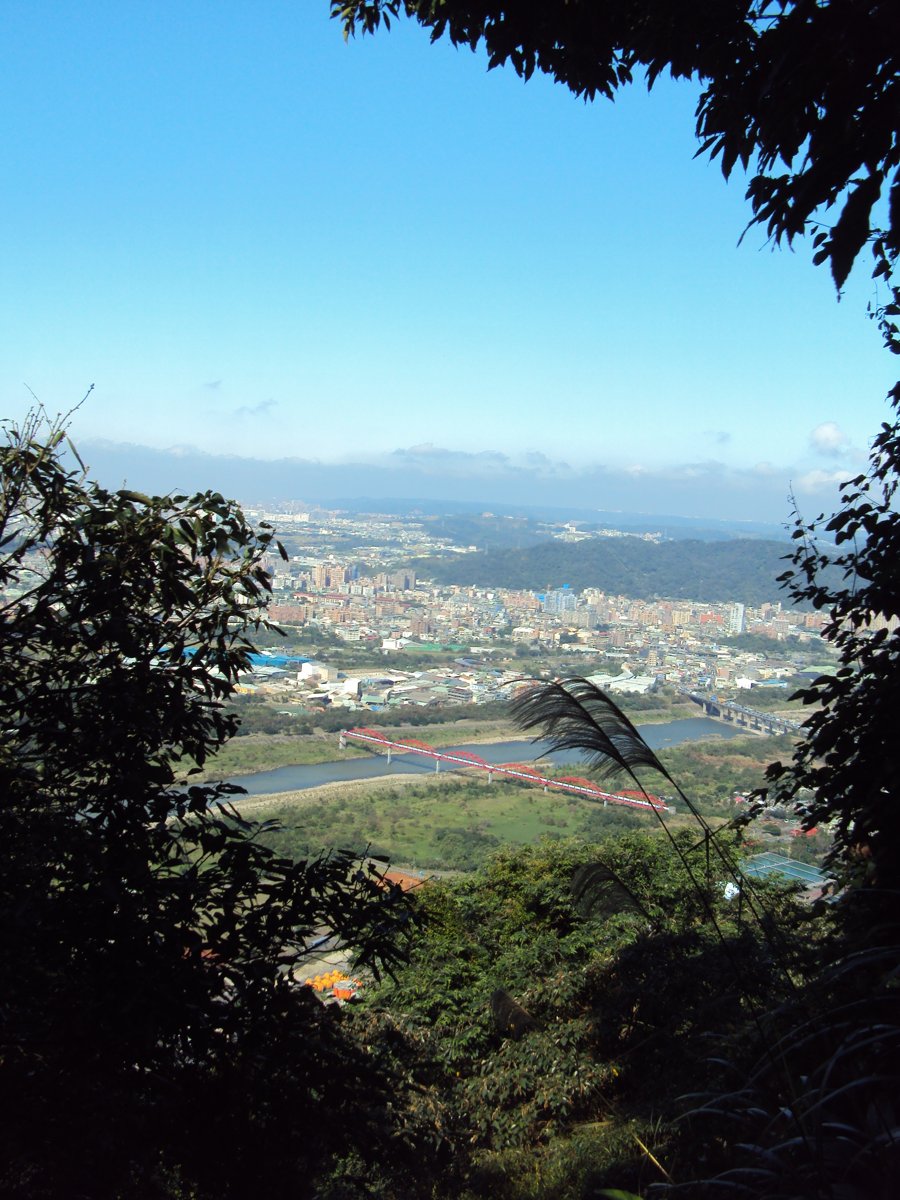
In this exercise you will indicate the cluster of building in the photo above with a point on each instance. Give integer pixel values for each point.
(320, 685)
(345, 576)
(628, 645)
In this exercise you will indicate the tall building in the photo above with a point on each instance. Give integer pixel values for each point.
(736, 619)
(561, 600)
(328, 575)
(320, 576)
(403, 580)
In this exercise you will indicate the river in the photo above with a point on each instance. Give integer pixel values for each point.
(295, 779)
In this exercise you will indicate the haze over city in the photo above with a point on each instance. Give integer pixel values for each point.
(377, 269)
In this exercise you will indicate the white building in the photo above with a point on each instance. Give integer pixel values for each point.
(736, 619)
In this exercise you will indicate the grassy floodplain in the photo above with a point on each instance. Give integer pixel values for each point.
(445, 823)
(265, 751)
(453, 821)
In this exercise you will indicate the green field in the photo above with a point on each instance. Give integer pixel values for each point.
(446, 824)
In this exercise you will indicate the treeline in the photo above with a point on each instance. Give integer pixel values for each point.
(262, 716)
(487, 532)
(758, 643)
(258, 716)
(740, 569)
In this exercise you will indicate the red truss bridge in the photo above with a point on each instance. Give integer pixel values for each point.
(457, 760)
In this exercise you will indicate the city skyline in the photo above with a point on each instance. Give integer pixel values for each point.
(378, 264)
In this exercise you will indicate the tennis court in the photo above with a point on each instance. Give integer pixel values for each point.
(760, 866)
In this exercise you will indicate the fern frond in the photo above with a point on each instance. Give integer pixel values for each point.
(574, 714)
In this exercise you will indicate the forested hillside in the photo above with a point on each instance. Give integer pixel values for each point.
(740, 569)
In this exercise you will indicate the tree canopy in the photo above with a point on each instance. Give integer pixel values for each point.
(561, 996)
(154, 1038)
(803, 94)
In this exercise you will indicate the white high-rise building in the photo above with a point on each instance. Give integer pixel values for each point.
(736, 619)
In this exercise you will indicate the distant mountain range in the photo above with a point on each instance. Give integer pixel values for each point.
(487, 519)
(404, 484)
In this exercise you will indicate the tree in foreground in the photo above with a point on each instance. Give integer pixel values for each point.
(805, 1102)
(154, 1041)
(817, 1115)
(845, 773)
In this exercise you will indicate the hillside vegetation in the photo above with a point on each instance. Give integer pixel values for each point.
(741, 569)
(559, 999)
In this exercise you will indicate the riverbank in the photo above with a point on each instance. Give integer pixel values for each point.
(257, 752)
(370, 767)
(432, 822)
(349, 790)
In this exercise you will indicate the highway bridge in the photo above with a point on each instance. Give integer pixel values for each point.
(751, 719)
(456, 760)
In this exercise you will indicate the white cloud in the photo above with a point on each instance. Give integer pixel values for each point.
(758, 492)
(816, 480)
(829, 439)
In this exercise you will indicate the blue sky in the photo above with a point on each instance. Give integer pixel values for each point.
(257, 240)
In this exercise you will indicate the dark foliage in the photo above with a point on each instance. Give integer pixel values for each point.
(510, 1018)
(567, 987)
(153, 1039)
(598, 889)
(815, 1115)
